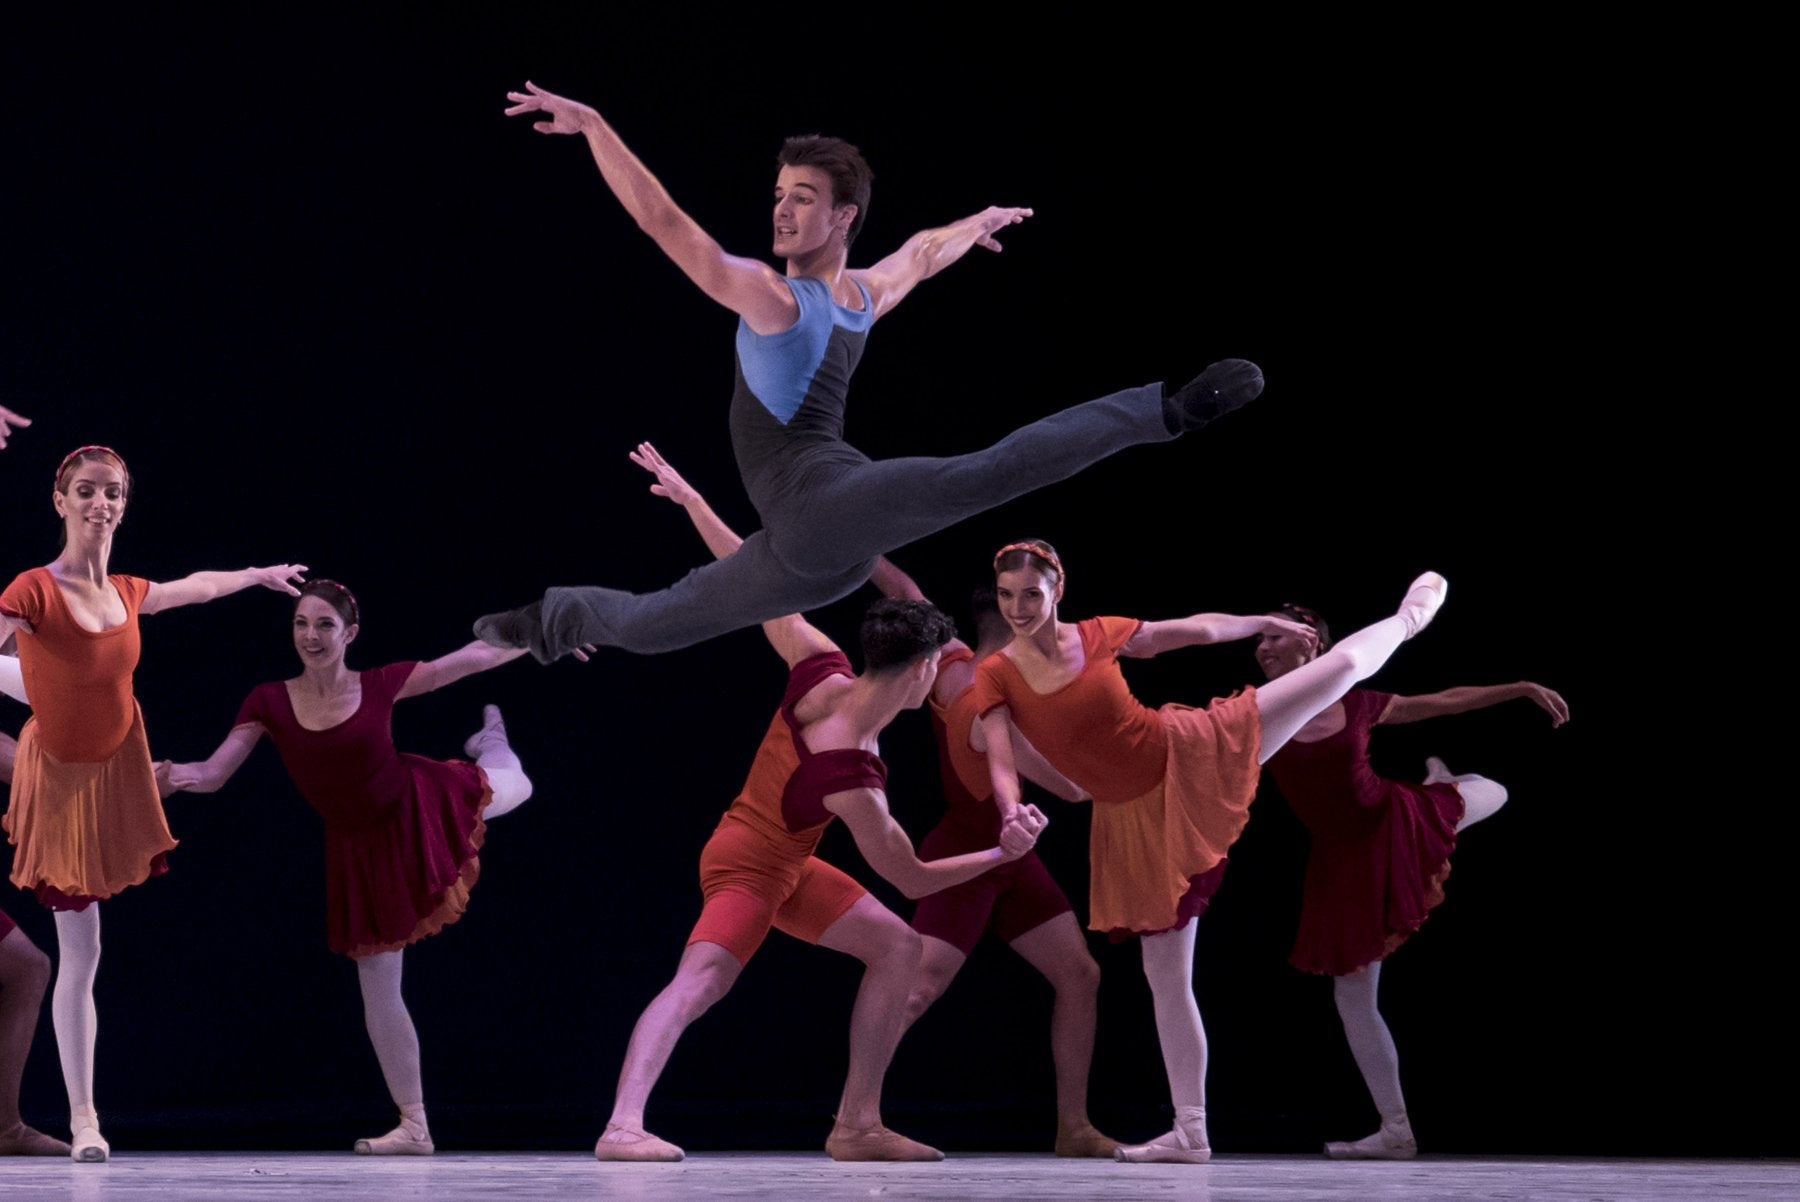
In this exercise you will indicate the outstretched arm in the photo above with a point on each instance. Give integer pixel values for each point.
(9, 419)
(895, 583)
(447, 669)
(888, 850)
(208, 775)
(752, 289)
(1473, 697)
(930, 251)
(210, 586)
(792, 636)
(1154, 638)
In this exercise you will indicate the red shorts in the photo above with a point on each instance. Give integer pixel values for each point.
(749, 887)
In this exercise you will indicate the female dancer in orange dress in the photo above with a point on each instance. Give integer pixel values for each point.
(1380, 853)
(85, 818)
(1171, 787)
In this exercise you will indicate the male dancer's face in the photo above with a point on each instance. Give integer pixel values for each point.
(804, 217)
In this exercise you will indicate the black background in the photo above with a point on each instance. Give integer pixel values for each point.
(333, 307)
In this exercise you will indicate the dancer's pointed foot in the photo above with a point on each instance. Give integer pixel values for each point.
(1085, 1141)
(1422, 601)
(20, 1140)
(1393, 1142)
(86, 1144)
(875, 1143)
(492, 732)
(1437, 772)
(1226, 385)
(1186, 1144)
(410, 1138)
(514, 629)
(619, 1142)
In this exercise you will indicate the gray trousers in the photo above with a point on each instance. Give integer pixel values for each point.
(824, 528)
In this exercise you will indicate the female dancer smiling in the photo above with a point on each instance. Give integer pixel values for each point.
(1171, 787)
(85, 816)
(401, 831)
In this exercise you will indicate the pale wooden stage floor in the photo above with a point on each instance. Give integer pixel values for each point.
(281, 1177)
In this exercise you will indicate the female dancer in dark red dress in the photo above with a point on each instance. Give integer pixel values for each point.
(401, 831)
(1380, 853)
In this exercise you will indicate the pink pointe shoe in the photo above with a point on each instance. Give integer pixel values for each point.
(410, 1138)
(1186, 1144)
(86, 1144)
(619, 1142)
(1393, 1142)
(1422, 601)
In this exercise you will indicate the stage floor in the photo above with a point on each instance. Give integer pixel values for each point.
(206, 1177)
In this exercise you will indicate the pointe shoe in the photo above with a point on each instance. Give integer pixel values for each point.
(634, 1143)
(516, 628)
(1393, 1142)
(1421, 602)
(1186, 1144)
(493, 730)
(1224, 386)
(410, 1138)
(1437, 772)
(20, 1140)
(1086, 1142)
(86, 1145)
(875, 1143)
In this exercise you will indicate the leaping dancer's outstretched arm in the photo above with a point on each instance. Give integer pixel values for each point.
(748, 287)
(930, 251)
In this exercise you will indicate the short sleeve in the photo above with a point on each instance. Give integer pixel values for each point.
(24, 597)
(256, 708)
(132, 589)
(1373, 704)
(989, 689)
(1116, 632)
(389, 680)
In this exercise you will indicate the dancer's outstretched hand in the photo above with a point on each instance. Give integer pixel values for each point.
(164, 784)
(991, 221)
(668, 481)
(281, 577)
(1550, 701)
(173, 778)
(584, 652)
(566, 116)
(9, 419)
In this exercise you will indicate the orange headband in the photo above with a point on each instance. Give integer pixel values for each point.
(1038, 549)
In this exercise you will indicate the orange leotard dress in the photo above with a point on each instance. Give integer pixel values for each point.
(1172, 786)
(84, 815)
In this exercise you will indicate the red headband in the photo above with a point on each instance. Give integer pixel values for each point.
(79, 451)
(1038, 549)
(355, 609)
